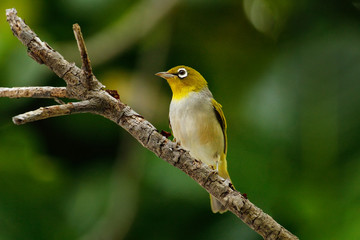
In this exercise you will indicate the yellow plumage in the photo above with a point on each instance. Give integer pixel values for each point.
(197, 121)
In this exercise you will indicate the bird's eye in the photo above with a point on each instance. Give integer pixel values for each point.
(182, 73)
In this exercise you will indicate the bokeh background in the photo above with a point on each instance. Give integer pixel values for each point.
(287, 75)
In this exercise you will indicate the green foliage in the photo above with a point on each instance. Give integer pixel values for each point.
(286, 74)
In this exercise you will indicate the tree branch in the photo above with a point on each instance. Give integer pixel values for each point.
(98, 101)
(34, 92)
(54, 111)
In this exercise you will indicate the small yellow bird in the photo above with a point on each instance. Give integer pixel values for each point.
(197, 121)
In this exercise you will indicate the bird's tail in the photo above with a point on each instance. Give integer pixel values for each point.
(216, 205)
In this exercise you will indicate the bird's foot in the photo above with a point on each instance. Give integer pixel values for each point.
(178, 144)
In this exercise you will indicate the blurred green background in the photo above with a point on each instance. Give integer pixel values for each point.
(287, 75)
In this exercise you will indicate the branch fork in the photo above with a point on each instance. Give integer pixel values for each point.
(82, 85)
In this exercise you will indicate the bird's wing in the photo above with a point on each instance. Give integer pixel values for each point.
(221, 118)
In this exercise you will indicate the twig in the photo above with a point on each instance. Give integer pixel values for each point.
(98, 101)
(86, 65)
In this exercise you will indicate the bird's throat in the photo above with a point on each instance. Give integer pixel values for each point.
(181, 90)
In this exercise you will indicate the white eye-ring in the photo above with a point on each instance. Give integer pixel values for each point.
(182, 73)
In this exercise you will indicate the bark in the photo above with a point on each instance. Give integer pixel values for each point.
(82, 85)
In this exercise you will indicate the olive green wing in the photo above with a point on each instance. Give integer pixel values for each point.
(221, 118)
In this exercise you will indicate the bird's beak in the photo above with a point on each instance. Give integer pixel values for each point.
(165, 75)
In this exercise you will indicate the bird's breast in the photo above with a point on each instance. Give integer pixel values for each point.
(196, 128)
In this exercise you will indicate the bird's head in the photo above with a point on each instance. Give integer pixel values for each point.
(183, 80)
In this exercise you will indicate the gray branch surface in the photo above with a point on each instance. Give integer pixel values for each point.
(94, 99)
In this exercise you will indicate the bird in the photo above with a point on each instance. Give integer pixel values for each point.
(197, 121)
